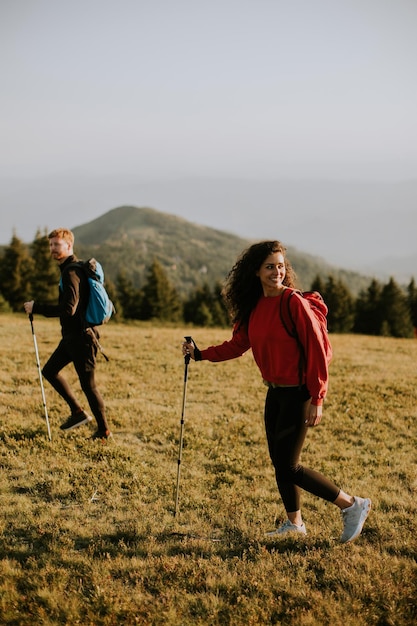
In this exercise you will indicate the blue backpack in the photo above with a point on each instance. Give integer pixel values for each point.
(99, 308)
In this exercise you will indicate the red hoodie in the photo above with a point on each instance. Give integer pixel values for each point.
(276, 353)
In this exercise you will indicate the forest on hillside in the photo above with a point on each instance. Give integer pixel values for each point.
(28, 272)
(132, 237)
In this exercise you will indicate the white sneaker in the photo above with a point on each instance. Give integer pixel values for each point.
(354, 518)
(287, 527)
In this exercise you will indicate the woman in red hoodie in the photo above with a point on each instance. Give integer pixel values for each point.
(252, 294)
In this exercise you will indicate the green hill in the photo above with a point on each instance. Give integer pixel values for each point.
(129, 238)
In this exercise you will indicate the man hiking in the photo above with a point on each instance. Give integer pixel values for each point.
(79, 343)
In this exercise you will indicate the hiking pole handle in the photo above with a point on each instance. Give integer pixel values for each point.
(196, 354)
(187, 357)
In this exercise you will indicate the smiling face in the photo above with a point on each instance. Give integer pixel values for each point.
(272, 273)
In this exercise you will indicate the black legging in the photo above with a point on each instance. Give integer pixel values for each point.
(81, 350)
(286, 432)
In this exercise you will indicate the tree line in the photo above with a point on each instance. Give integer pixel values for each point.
(28, 272)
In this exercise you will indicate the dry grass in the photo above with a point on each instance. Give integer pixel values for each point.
(87, 532)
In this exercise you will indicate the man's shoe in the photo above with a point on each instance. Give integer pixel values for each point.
(287, 527)
(102, 435)
(75, 420)
(354, 518)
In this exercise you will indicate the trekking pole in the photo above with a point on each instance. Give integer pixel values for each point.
(184, 394)
(35, 343)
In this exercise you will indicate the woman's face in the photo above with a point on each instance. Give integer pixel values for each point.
(272, 273)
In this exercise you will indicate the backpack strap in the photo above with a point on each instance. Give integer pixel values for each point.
(290, 328)
(95, 339)
(71, 266)
(81, 266)
(285, 312)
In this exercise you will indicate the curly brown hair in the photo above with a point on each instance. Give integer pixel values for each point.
(242, 288)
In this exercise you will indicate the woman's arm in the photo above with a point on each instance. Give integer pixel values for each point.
(231, 349)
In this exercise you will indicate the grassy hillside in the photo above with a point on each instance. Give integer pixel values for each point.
(129, 238)
(88, 534)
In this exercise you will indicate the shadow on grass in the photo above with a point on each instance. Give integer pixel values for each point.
(36, 542)
(234, 543)
(23, 435)
(26, 543)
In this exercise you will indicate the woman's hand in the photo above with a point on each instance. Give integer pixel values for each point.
(188, 349)
(312, 414)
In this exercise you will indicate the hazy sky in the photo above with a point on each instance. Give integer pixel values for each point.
(247, 88)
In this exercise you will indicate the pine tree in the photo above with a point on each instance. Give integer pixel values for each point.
(160, 299)
(197, 307)
(45, 277)
(112, 292)
(368, 312)
(220, 312)
(339, 300)
(318, 285)
(396, 312)
(205, 307)
(202, 315)
(129, 299)
(15, 274)
(412, 302)
(4, 305)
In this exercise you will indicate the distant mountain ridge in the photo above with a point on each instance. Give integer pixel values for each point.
(366, 226)
(127, 239)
